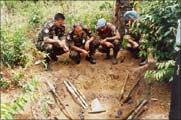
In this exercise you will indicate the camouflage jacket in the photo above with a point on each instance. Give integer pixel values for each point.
(108, 32)
(79, 41)
(51, 31)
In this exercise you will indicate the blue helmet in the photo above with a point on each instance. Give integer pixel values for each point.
(131, 14)
(101, 22)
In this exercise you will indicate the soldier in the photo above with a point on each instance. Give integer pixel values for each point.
(109, 38)
(51, 39)
(132, 38)
(81, 41)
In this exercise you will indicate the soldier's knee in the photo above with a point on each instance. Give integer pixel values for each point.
(94, 44)
(74, 55)
(48, 47)
(116, 43)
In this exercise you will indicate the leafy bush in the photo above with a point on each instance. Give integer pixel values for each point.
(158, 23)
(12, 48)
(8, 109)
(164, 71)
(35, 18)
(16, 79)
(4, 83)
(105, 5)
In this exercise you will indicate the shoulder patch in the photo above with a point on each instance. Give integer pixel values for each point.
(49, 24)
(46, 30)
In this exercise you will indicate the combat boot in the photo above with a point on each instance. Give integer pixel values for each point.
(91, 59)
(53, 57)
(47, 63)
(114, 61)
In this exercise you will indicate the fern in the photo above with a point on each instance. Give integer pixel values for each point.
(164, 71)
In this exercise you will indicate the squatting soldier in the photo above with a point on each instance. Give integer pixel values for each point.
(51, 39)
(109, 38)
(133, 38)
(81, 41)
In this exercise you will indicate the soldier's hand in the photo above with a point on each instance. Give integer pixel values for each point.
(108, 44)
(87, 46)
(103, 41)
(60, 43)
(135, 44)
(84, 52)
(65, 47)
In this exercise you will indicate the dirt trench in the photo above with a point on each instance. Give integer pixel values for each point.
(103, 81)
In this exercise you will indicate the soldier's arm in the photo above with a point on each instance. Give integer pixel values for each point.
(52, 41)
(49, 40)
(46, 38)
(70, 42)
(115, 32)
(89, 34)
(131, 40)
(73, 47)
(117, 36)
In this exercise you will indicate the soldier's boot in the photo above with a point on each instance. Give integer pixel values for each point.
(93, 46)
(115, 51)
(91, 59)
(107, 55)
(47, 63)
(77, 61)
(53, 57)
(114, 60)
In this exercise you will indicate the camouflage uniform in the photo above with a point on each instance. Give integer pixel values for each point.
(135, 38)
(51, 31)
(124, 5)
(79, 41)
(109, 32)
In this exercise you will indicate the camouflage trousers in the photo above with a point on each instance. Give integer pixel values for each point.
(51, 49)
(75, 55)
(116, 48)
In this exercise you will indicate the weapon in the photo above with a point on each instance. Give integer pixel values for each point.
(58, 101)
(124, 85)
(128, 97)
(136, 111)
(76, 94)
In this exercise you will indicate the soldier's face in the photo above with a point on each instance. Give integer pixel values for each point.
(103, 28)
(78, 30)
(59, 22)
(130, 20)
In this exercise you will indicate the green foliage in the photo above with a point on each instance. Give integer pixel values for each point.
(35, 18)
(105, 5)
(16, 80)
(89, 13)
(164, 71)
(8, 109)
(12, 48)
(4, 83)
(17, 77)
(158, 22)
